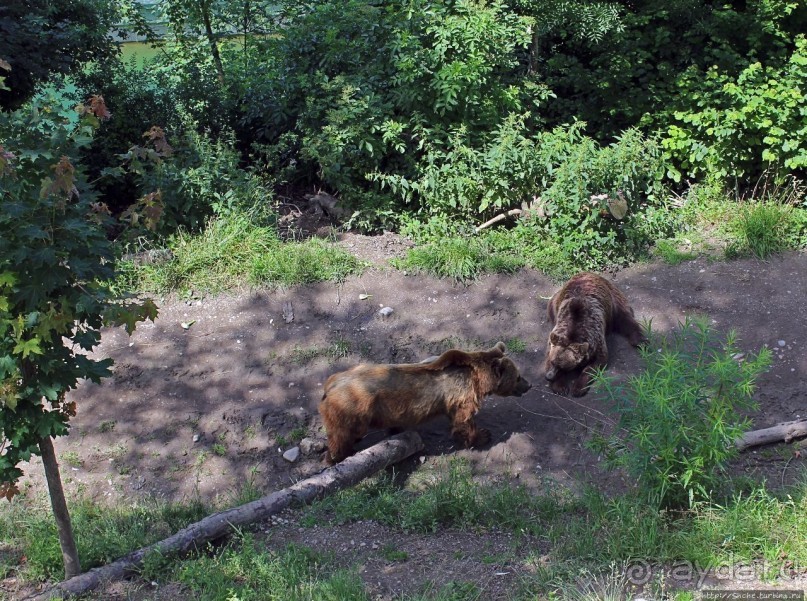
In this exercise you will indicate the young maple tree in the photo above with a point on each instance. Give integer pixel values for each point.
(56, 267)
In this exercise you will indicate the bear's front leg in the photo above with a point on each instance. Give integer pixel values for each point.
(583, 382)
(465, 431)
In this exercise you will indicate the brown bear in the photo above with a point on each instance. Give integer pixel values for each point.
(400, 396)
(582, 313)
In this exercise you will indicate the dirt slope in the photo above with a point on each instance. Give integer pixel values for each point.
(203, 409)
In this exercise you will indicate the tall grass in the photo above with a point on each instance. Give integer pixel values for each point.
(233, 251)
(763, 229)
(103, 533)
(459, 258)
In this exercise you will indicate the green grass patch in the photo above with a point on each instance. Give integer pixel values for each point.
(236, 250)
(451, 591)
(244, 572)
(306, 262)
(672, 253)
(391, 553)
(763, 229)
(459, 258)
(103, 534)
(589, 529)
(583, 532)
(338, 349)
(712, 221)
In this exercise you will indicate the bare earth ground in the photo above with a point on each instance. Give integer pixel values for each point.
(202, 410)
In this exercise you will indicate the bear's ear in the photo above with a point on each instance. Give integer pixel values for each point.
(498, 368)
(582, 348)
(494, 353)
(554, 338)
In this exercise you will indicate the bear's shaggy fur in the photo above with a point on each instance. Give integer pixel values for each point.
(401, 396)
(582, 313)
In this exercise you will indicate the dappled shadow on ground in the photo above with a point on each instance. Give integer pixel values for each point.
(204, 410)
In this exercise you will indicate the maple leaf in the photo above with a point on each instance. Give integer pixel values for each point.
(98, 107)
(64, 178)
(152, 209)
(8, 490)
(100, 207)
(97, 211)
(156, 135)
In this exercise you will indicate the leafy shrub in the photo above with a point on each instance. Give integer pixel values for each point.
(463, 180)
(455, 62)
(602, 205)
(739, 126)
(137, 101)
(591, 205)
(193, 178)
(679, 418)
(631, 75)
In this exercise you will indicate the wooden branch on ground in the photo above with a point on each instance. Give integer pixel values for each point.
(786, 432)
(502, 217)
(347, 473)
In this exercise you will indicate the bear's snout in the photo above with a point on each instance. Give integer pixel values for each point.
(522, 386)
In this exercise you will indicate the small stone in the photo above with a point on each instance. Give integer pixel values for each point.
(292, 454)
(781, 343)
(195, 438)
(311, 445)
(385, 312)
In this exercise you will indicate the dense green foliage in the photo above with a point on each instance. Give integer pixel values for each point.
(680, 417)
(44, 37)
(463, 109)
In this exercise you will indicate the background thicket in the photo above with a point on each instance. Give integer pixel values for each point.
(416, 110)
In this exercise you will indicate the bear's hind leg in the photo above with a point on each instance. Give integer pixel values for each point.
(625, 323)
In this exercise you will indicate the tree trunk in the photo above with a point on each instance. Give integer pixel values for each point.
(347, 473)
(214, 47)
(72, 566)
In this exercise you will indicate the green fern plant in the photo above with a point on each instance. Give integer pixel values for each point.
(680, 417)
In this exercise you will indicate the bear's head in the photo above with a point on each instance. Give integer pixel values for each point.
(508, 379)
(565, 355)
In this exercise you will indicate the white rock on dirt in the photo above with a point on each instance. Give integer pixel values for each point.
(292, 454)
(385, 312)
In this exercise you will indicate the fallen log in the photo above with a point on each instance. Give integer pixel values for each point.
(502, 217)
(347, 473)
(786, 432)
